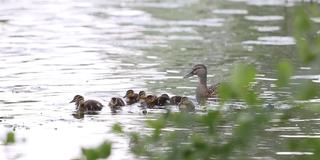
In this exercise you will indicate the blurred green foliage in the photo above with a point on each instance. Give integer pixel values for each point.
(285, 71)
(117, 128)
(102, 151)
(188, 136)
(306, 36)
(239, 87)
(10, 138)
(201, 137)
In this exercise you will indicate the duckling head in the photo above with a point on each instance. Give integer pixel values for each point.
(186, 105)
(175, 100)
(200, 70)
(164, 99)
(151, 98)
(76, 98)
(113, 101)
(165, 96)
(129, 93)
(184, 99)
(142, 94)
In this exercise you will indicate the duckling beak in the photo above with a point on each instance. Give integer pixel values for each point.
(72, 101)
(188, 75)
(125, 96)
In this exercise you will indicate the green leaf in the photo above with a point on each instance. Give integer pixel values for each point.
(302, 21)
(226, 92)
(117, 128)
(308, 90)
(10, 138)
(102, 151)
(242, 75)
(157, 124)
(285, 71)
(250, 97)
(304, 34)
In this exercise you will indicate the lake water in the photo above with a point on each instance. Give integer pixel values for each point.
(51, 50)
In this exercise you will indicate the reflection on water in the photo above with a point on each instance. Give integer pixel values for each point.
(274, 40)
(53, 50)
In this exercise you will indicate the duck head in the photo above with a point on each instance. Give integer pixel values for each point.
(76, 98)
(142, 94)
(175, 100)
(165, 96)
(151, 98)
(113, 101)
(129, 93)
(200, 70)
(183, 100)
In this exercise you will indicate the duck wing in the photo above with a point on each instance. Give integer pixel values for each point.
(213, 90)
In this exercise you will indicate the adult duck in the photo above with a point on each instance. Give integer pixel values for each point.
(202, 92)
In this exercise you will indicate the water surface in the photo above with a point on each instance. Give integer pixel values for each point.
(53, 50)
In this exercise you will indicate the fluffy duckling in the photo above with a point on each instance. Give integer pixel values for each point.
(175, 100)
(142, 96)
(116, 104)
(163, 100)
(75, 99)
(151, 101)
(202, 92)
(186, 105)
(86, 106)
(131, 97)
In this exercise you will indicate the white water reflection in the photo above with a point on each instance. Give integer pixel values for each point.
(230, 11)
(294, 153)
(266, 28)
(264, 18)
(314, 78)
(272, 40)
(315, 19)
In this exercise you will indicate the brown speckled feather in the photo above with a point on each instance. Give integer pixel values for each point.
(93, 105)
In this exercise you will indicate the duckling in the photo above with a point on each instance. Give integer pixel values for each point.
(142, 96)
(75, 99)
(202, 91)
(175, 100)
(131, 97)
(151, 101)
(86, 106)
(163, 100)
(115, 104)
(186, 105)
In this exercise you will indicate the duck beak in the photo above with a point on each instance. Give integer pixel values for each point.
(125, 96)
(188, 75)
(72, 101)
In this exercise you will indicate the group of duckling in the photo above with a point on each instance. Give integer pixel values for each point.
(144, 101)
(203, 92)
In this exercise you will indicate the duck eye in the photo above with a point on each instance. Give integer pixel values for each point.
(194, 71)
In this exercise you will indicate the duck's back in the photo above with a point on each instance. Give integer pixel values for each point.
(93, 105)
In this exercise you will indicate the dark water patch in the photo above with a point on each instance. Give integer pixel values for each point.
(6, 117)
(22, 101)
